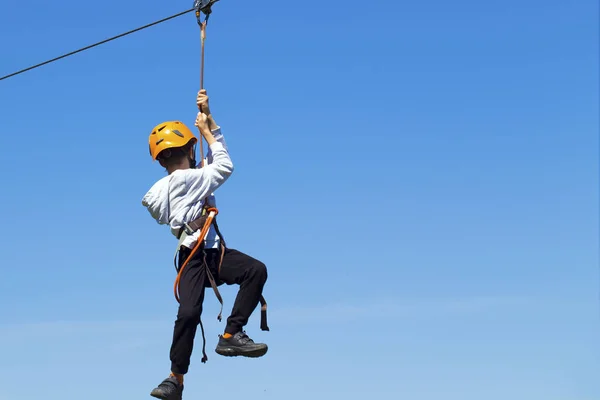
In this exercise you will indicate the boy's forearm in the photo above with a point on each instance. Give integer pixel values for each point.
(212, 125)
(210, 139)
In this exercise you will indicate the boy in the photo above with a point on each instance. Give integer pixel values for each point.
(179, 199)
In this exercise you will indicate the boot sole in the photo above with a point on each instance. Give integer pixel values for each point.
(235, 352)
(159, 396)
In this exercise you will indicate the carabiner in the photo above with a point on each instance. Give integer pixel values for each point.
(203, 6)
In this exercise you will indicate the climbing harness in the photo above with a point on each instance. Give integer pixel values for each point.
(209, 213)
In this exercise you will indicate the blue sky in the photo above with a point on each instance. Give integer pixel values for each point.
(421, 179)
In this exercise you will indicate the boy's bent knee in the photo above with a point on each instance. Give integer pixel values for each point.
(259, 270)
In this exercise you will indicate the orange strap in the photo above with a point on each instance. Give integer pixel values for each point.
(199, 243)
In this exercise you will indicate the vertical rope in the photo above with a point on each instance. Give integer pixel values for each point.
(202, 39)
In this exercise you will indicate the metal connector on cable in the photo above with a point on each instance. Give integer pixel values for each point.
(203, 7)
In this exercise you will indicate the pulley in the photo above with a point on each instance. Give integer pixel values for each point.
(203, 6)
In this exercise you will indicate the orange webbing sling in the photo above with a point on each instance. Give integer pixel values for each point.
(199, 243)
(212, 212)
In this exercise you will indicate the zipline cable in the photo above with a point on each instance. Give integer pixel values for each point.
(99, 43)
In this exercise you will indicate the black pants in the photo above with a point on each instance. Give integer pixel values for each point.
(237, 268)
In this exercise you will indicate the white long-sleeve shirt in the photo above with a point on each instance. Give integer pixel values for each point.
(178, 197)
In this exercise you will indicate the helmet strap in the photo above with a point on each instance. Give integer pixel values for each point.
(192, 159)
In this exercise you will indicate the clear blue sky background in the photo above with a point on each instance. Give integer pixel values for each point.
(420, 177)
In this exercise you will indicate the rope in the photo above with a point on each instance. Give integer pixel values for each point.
(97, 44)
(202, 7)
(202, 39)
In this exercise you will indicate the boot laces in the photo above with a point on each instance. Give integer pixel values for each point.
(244, 338)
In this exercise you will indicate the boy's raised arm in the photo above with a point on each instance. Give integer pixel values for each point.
(204, 181)
(202, 101)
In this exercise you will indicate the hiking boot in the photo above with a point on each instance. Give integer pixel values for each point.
(240, 345)
(169, 389)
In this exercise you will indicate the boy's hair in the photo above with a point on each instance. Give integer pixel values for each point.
(175, 155)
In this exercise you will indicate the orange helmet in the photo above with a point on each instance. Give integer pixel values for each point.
(168, 135)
